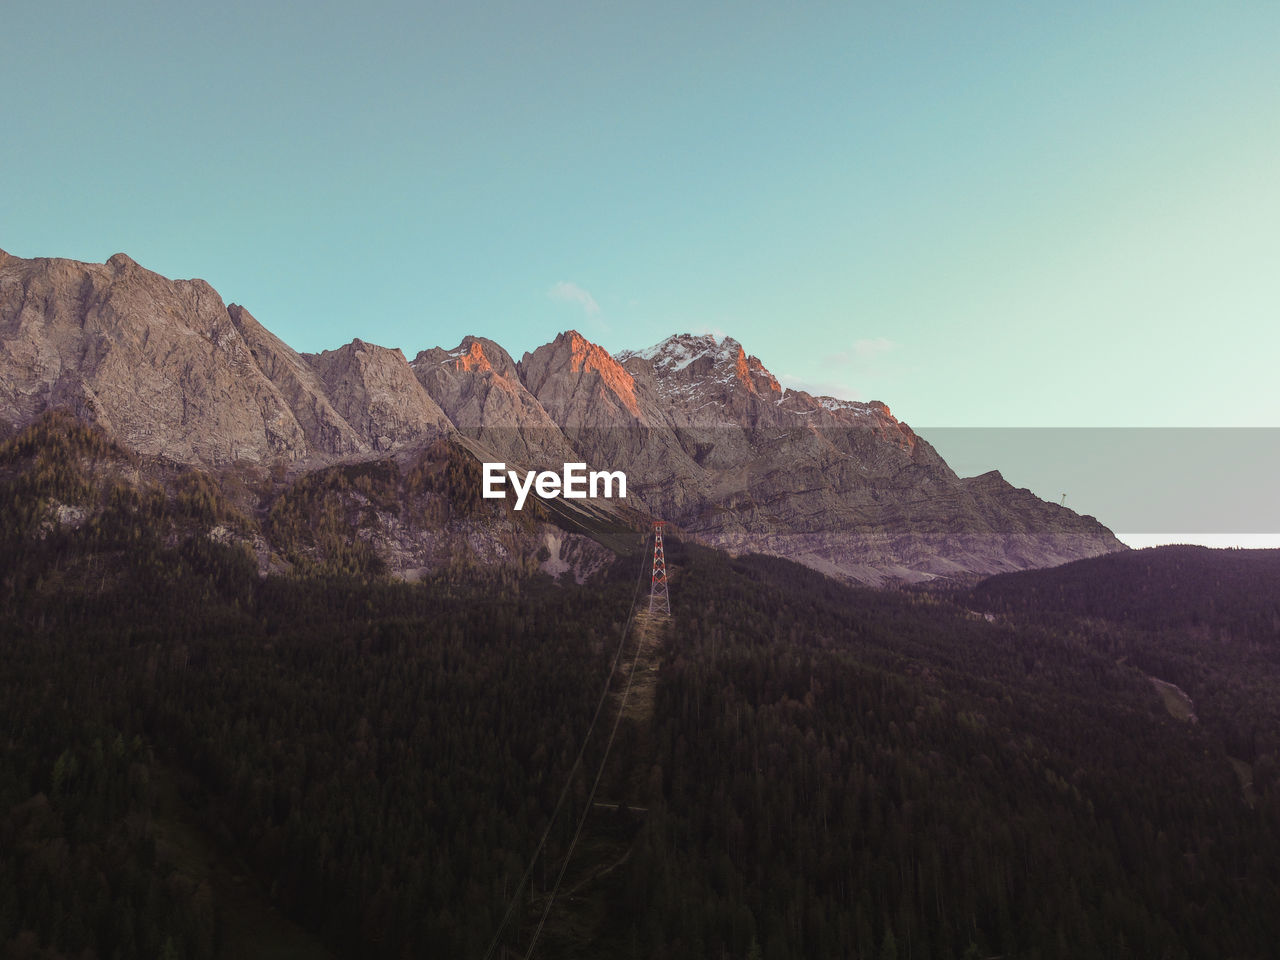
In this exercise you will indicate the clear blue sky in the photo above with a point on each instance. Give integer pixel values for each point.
(983, 213)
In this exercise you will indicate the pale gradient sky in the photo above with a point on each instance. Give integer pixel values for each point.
(984, 214)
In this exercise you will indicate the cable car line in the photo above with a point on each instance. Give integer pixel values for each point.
(604, 695)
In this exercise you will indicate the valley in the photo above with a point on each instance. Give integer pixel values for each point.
(607, 481)
(279, 677)
(801, 767)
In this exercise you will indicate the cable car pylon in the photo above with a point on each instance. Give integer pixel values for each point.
(659, 600)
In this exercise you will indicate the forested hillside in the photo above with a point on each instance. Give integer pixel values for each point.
(851, 773)
(1206, 620)
(202, 762)
(1231, 594)
(374, 756)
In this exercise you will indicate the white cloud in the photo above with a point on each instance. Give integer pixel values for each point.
(861, 361)
(862, 351)
(567, 292)
(866, 349)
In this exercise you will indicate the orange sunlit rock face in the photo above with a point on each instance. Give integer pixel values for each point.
(473, 360)
(587, 357)
(752, 372)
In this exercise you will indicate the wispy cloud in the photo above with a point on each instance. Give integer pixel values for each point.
(861, 351)
(866, 349)
(568, 292)
(860, 361)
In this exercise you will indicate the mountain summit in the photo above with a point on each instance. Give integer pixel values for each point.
(708, 438)
(683, 361)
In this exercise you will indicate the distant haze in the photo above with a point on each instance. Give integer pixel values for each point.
(1214, 487)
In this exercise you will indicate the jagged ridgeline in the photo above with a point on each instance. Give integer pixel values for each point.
(203, 762)
(707, 437)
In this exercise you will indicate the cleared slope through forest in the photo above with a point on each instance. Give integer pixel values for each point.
(584, 912)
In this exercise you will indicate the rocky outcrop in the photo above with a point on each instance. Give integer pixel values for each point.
(478, 386)
(614, 421)
(580, 384)
(328, 434)
(159, 363)
(710, 440)
(376, 392)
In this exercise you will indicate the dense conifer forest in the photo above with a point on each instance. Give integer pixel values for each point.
(872, 775)
(201, 762)
(1206, 620)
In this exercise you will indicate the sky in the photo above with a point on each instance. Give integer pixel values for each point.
(985, 214)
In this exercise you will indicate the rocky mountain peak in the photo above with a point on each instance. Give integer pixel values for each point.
(686, 363)
(473, 355)
(752, 372)
(680, 350)
(376, 392)
(571, 365)
(161, 364)
(574, 353)
(120, 262)
(478, 387)
(583, 354)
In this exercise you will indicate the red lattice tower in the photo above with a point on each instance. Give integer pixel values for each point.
(659, 600)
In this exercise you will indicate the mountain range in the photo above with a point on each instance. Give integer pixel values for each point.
(709, 439)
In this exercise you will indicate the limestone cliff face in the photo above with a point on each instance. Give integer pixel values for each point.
(614, 421)
(328, 434)
(707, 436)
(478, 386)
(158, 362)
(377, 393)
(580, 385)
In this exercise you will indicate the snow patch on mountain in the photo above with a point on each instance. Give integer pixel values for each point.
(833, 404)
(679, 351)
